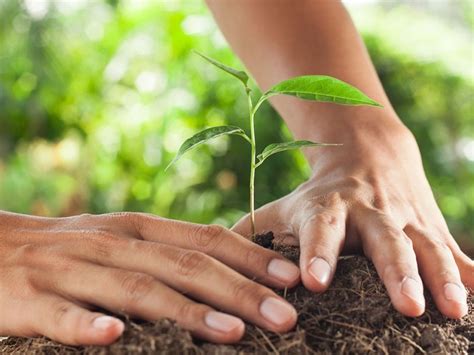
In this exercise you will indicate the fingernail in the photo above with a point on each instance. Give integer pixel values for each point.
(277, 311)
(455, 293)
(283, 270)
(106, 322)
(320, 270)
(413, 289)
(222, 322)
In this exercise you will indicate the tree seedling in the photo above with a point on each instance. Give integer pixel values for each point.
(320, 88)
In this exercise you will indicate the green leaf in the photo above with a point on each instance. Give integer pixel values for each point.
(239, 74)
(281, 147)
(206, 135)
(321, 88)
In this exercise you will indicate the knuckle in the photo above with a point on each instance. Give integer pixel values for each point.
(144, 249)
(329, 219)
(434, 245)
(380, 202)
(332, 205)
(47, 256)
(185, 311)
(447, 275)
(322, 202)
(254, 257)
(99, 249)
(333, 197)
(53, 257)
(391, 233)
(29, 252)
(104, 236)
(370, 211)
(60, 313)
(395, 235)
(61, 329)
(313, 204)
(136, 287)
(190, 263)
(206, 236)
(102, 243)
(247, 291)
(133, 219)
(399, 270)
(353, 182)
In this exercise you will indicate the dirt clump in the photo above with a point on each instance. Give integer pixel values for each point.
(354, 316)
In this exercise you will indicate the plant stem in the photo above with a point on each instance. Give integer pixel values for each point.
(252, 162)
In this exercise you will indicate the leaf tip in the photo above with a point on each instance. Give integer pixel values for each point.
(374, 103)
(239, 74)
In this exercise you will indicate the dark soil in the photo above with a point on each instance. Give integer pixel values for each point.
(354, 316)
(265, 240)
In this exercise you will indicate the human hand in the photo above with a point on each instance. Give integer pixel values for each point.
(372, 195)
(54, 271)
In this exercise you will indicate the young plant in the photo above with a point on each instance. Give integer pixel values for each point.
(308, 87)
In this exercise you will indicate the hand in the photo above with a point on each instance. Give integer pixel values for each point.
(372, 195)
(54, 271)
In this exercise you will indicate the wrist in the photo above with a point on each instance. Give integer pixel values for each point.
(374, 137)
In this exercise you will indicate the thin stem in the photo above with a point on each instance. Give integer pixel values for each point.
(262, 99)
(252, 163)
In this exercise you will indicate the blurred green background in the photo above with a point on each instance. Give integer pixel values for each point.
(96, 97)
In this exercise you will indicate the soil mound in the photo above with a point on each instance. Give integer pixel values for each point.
(354, 316)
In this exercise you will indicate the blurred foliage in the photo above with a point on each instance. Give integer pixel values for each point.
(96, 97)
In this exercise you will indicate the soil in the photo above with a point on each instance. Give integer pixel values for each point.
(354, 316)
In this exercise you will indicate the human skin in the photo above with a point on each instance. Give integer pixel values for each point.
(54, 271)
(369, 195)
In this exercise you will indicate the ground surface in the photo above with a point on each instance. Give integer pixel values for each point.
(354, 316)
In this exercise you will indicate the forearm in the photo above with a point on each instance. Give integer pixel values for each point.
(278, 40)
(368, 195)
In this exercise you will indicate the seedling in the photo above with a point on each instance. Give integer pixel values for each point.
(308, 87)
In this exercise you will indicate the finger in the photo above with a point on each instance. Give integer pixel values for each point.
(202, 278)
(321, 241)
(209, 281)
(232, 249)
(140, 295)
(266, 220)
(392, 253)
(68, 323)
(465, 264)
(440, 273)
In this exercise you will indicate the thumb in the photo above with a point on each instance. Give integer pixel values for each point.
(268, 218)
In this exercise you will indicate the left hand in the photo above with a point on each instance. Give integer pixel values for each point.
(372, 195)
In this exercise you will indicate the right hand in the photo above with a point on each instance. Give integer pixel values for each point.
(53, 271)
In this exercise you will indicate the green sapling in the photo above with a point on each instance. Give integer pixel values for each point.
(309, 87)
